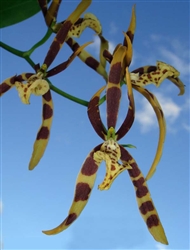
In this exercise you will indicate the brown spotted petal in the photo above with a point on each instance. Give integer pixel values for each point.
(44, 131)
(94, 114)
(144, 200)
(84, 184)
(88, 21)
(157, 74)
(162, 126)
(113, 92)
(110, 153)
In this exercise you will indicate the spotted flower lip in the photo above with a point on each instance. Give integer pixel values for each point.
(35, 85)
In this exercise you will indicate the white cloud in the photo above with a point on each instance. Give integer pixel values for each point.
(186, 126)
(147, 118)
(174, 51)
(160, 246)
(170, 108)
(1, 207)
(113, 28)
(175, 60)
(95, 46)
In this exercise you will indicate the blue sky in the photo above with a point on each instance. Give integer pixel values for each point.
(32, 201)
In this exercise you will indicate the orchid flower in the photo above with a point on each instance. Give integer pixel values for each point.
(37, 83)
(143, 76)
(111, 152)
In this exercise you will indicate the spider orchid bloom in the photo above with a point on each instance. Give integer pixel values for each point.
(36, 83)
(146, 75)
(111, 152)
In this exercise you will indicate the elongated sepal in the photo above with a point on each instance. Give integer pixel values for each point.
(65, 64)
(44, 131)
(107, 55)
(103, 46)
(113, 92)
(157, 74)
(88, 59)
(84, 184)
(144, 200)
(129, 51)
(129, 119)
(62, 34)
(7, 84)
(162, 127)
(94, 114)
(51, 15)
(131, 29)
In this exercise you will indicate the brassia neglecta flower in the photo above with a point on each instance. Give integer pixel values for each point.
(110, 151)
(37, 83)
(145, 75)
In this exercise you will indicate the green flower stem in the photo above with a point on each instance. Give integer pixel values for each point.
(11, 49)
(42, 41)
(68, 96)
(26, 54)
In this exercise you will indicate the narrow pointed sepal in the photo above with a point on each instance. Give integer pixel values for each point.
(44, 131)
(132, 26)
(88, 59)
(104, 45)
(113, 92)
(65, 64)
(129, 119)
(94, 114)
(84, 184)
(144, 200)
(162, 127)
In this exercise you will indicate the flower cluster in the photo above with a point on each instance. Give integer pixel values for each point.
(115, 156)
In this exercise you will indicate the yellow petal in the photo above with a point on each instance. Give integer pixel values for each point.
(144, 200)
(84, 184)
(162, 127)
(43, 134)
